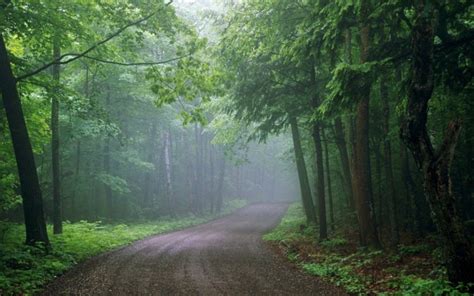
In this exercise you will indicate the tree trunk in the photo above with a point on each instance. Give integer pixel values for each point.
(415, 217)
(169, 188)
(306, 198)
(328, 178)
(381, 203)
(198, 167)
(30, 189)
(108, 191)
(394, 234)
(57, 210)
(344, 156)
(320, 188)
(76, 180)
(435, 165)
(212, 190)
(220, 193)
(363, 189)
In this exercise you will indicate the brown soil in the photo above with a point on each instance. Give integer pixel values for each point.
(223, 257)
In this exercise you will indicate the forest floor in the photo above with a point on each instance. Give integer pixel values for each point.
(414, 269)
(224, 257)
(24, 269)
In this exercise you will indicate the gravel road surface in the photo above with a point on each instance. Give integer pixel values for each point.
(222, 257)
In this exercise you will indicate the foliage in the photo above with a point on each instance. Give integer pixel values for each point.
(353, 270)
(341, 275)
(411, 285)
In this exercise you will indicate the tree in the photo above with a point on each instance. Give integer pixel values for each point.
(30, 190)
(306, 196)
(435, 164)
(57, 215)
(363, 189)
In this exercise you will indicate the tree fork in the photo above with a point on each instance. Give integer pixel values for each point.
(435, 166)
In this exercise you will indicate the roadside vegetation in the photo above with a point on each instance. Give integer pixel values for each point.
(25, 269)
(414, 269)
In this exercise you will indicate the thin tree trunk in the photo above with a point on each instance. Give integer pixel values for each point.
(381, 209)
(435, 165)
(108, 191)
(220, 193)
(344, 156)
(30, 188)
(328, 178)
(211, 174)
(76, 180)
(148, 175)
(197, 174)
(169, 188)
(57, 210)
(306, 198)
(320, 188)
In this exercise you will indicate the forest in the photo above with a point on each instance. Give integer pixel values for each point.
(236, 147)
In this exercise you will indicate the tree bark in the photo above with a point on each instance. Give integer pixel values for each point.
(345, 163)
(169, 188)
(381, 203)
(30, 189)
(329, 185)
(414, 208)
(198, 167)
(57, 208)
(320, 187)
(435, 165)
(306, 197)
(392, 194)
(108, 191)
(363, 189)
(212, 190)
(220, 193)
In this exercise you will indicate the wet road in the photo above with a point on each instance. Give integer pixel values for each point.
(222, 257)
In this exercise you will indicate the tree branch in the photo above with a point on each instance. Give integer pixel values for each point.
(85, 52)
(446, 150)
(133, 64)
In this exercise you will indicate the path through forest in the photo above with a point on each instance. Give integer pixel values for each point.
(222, 257)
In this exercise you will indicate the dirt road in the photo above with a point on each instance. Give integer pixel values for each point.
(222, 257)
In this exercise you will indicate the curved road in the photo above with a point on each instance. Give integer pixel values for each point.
(222, 257)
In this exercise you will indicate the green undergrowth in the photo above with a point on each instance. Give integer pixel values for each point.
(412, 270)
(24, 269)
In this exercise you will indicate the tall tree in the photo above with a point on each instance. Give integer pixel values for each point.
(435, 164)
(329, 183)
(57, 209)
(395, 237)
(363, 189)
(307, 199)
(339, 137)
(30, 189)
(316, 134)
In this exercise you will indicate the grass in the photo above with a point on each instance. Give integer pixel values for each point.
(412, 270)
(24, 269)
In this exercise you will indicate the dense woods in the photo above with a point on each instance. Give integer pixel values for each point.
(133, 111)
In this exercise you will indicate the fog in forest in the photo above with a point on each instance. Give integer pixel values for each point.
(339, 134)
